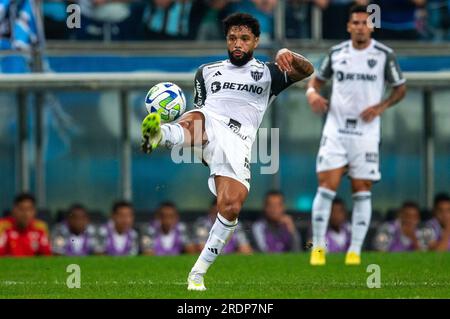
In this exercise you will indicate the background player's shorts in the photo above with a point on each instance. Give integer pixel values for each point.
(227, 151)
(361, 156)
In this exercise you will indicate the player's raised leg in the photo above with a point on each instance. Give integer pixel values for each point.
(189, 130)
(321, 210)
(231, 194)
(362, 212)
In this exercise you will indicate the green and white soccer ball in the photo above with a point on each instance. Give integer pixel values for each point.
(167, 99)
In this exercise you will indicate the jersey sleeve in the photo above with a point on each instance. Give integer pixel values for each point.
(199, 89)
(392, 73)
(325, 71)
(280, 80)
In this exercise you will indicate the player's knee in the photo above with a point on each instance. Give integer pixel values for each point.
(330, 185)
(229, 208)
(361, 186)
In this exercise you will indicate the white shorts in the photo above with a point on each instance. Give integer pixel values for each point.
(228, 150)
(360, 155)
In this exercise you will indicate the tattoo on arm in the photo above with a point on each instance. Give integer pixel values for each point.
(302, 68)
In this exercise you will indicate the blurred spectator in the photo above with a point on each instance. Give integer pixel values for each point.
(102, 19)
(55, 16)
(75, 236)
(437, 230)
(262, 10)
(166, 235)
(211, 23)
(276, 231)
(403, 233)
(398, 19)
(22, 234)
(18, 25)
(335, 17)
(173, 19)
(237, 243)
(298, 17)
(118, 238)
(438, 19)
(338, 235)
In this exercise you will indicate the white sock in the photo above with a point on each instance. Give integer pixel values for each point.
(218, 237)
(172, 135)
(362, 211)
(321, 211)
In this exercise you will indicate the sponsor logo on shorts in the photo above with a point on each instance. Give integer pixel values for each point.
(371, 157)
(350, 132)
(351, 123)
(235, 127)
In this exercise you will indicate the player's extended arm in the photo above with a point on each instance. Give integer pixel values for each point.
(397, 94)
(296, 65)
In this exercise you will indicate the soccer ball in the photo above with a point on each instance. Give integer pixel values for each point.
(167, 99)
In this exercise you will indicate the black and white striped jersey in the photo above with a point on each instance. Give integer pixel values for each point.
(241, 93)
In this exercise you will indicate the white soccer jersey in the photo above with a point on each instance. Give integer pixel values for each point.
(359, 78)
(239, 93)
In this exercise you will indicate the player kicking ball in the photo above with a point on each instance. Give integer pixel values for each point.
(360, 67)
(231, 97)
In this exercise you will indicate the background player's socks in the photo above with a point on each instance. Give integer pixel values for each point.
(172, 135)
(218, 237)
(321, 211)
(362, 211)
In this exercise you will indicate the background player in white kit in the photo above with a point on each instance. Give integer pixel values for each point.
(359, 68)
(231, 97)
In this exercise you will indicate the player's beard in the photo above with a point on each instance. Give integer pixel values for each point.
(246, 56)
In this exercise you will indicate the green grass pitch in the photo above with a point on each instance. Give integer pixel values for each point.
(403, 275)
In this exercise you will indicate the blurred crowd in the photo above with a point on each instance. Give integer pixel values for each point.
(200, 20)
(165, 232)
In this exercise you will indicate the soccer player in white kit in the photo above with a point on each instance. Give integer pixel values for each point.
(359, 69)
(231, 97)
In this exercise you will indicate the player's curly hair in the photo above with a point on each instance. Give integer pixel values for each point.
(241, 19)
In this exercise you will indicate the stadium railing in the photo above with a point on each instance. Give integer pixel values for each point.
(37, 83)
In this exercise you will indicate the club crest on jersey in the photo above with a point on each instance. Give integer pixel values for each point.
(256, 75)
(372, 62)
